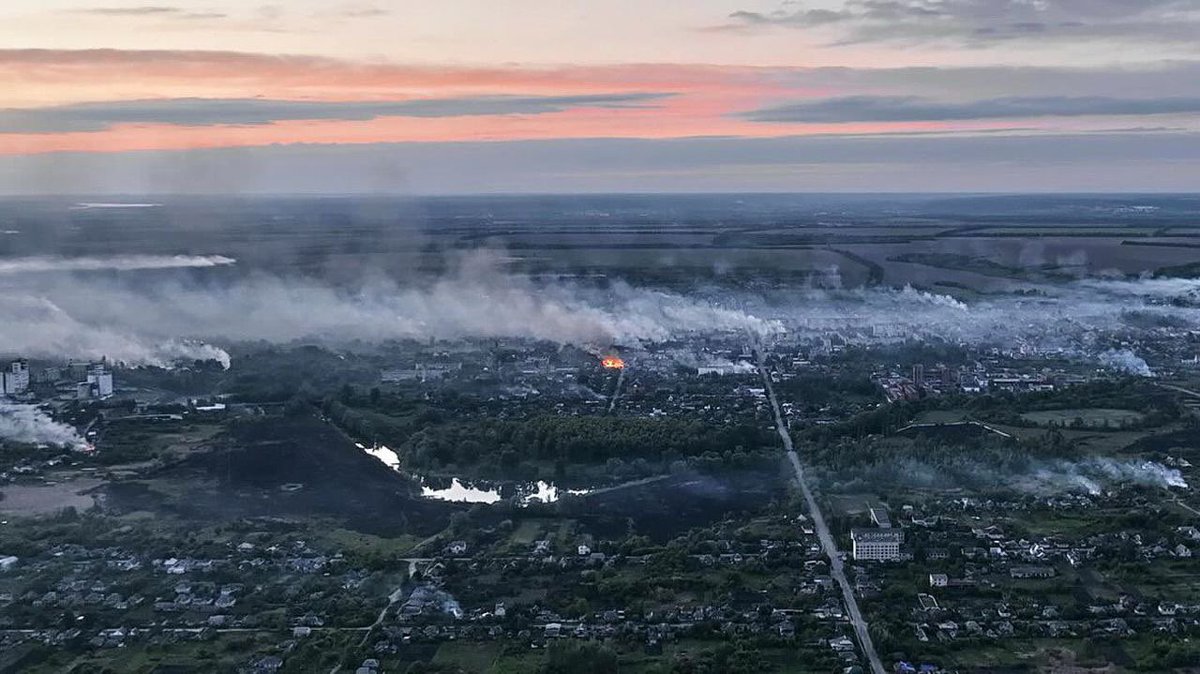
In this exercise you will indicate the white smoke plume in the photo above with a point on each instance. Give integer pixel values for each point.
(585, 392)
(1126, 361)
(29, 425)
(1093, 475)
(37, 327)
(25, 265)
(715, 363)
(112, 205)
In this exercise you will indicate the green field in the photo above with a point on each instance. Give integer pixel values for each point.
(473, 657)
(1087, 439)
(362, 543)
(1095, 417)
(526, 533)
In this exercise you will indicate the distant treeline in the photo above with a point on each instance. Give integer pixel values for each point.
(576, 440)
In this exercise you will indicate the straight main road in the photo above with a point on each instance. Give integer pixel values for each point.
(836, 568)
(1180, 389)
(612, 403)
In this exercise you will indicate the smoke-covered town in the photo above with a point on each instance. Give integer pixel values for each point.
(527, 453)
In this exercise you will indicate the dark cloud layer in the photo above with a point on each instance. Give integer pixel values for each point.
(915, 109)
(988, 21)
(91, 117)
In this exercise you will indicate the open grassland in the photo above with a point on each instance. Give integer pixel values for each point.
(49, 498)
(1091, 439)
(1096, 417)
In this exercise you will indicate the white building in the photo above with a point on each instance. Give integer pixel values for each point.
(99, 383)
(876, 544)
(102, 379)
(15, 377)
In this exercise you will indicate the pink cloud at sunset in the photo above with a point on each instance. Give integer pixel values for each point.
(47, 77)
(114, 101)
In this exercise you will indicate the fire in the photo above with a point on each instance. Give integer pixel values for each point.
(612, 363)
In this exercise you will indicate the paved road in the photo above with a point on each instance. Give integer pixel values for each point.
(394, 597)
(627, 485)
(836, 568)
(1180, 389)
(1185, 506)
(612, 403)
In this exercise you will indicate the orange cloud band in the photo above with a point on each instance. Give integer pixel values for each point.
(704, 100)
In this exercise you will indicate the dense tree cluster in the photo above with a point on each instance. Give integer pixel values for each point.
(573, 657)
(576, 439)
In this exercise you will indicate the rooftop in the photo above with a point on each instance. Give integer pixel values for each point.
(877, 535)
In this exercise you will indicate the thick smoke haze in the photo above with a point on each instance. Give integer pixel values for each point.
(1038, 477)
(1084, 319)
(159, 322)
(35, 326)
(28, 424)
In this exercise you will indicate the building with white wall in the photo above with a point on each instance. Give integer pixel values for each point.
(878, 545)
(98, 383)
(15, 378)
(102, 379)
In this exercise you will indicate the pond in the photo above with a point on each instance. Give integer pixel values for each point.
(459, 491)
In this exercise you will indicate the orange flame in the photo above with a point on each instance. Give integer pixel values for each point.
(612, 363)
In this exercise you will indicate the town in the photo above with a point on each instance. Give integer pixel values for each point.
(518, 502)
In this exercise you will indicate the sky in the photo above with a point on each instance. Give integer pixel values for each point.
(527, 96)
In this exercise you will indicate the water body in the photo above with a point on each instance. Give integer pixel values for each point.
(460, 491)
(383, 453)
(526, 493)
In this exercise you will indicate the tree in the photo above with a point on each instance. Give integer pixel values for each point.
(571, 657)
(458, 522)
